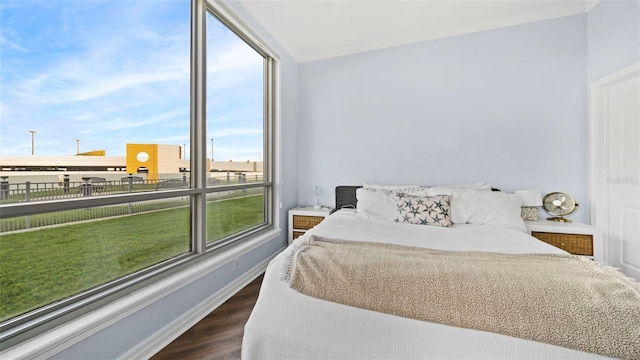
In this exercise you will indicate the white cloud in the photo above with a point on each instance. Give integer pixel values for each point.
(104, 86)
(238, 153)
(228, 67)
(236, 131)
(136, 122)
(177, 139)
(73, 80)
(8, 45)
(239, 56)
(149, 35)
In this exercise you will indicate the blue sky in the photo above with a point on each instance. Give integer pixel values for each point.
(115, 72)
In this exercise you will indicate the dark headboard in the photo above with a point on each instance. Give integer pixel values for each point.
(346, 197)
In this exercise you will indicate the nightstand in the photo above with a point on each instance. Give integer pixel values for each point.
(304, 218)
(575, 238)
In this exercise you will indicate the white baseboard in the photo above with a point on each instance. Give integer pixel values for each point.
(172, 331)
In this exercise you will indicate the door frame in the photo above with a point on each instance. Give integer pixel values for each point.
(600, 114)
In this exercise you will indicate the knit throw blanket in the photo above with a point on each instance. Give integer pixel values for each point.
(563, 300)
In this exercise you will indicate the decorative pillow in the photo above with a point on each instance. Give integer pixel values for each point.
(377, 204)
(430, 210)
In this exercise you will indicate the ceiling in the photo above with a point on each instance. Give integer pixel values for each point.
(318, 29)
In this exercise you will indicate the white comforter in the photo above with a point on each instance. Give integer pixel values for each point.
(288, 325)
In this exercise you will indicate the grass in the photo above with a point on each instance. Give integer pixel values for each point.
(43, 266)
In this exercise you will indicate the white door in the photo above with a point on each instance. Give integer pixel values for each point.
(620, 115)
(624, 177)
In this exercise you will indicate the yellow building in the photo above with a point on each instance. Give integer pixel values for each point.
(93, 153)
(153, 159)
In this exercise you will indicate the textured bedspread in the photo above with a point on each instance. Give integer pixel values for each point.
(558, 299)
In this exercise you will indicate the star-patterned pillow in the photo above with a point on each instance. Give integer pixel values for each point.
(429, 210)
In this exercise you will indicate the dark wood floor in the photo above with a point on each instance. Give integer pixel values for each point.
(219, 334)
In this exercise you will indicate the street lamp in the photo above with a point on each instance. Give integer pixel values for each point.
(211, 149)
(33, 141)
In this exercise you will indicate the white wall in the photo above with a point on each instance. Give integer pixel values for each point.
(614, 37)
(508, 106)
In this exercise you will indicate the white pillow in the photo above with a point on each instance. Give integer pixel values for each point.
(377, 204)
(484, 207)
(395, 188)
(476, 186)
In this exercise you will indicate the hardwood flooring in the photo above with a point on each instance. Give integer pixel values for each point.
(219, 334)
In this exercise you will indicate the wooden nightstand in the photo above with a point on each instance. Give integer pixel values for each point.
(575, 238)
(303, 218)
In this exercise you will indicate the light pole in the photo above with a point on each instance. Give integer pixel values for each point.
(77, 146)
(33, 141)
(212, 149)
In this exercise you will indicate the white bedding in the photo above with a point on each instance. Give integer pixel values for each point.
(288, 325)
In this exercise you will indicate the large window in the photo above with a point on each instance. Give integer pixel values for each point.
(237, 75)
(136, 137)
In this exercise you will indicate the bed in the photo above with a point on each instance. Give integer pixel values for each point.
(290, 324)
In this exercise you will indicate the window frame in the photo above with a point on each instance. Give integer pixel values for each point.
(269, 101)
(33, 323)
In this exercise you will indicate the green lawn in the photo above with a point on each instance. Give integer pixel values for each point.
(42, 266)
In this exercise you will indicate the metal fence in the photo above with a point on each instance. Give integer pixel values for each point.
(88, 214)
(94, 186)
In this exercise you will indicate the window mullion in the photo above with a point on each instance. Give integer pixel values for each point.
(270, 113)
(198, 125)
(266, 131)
